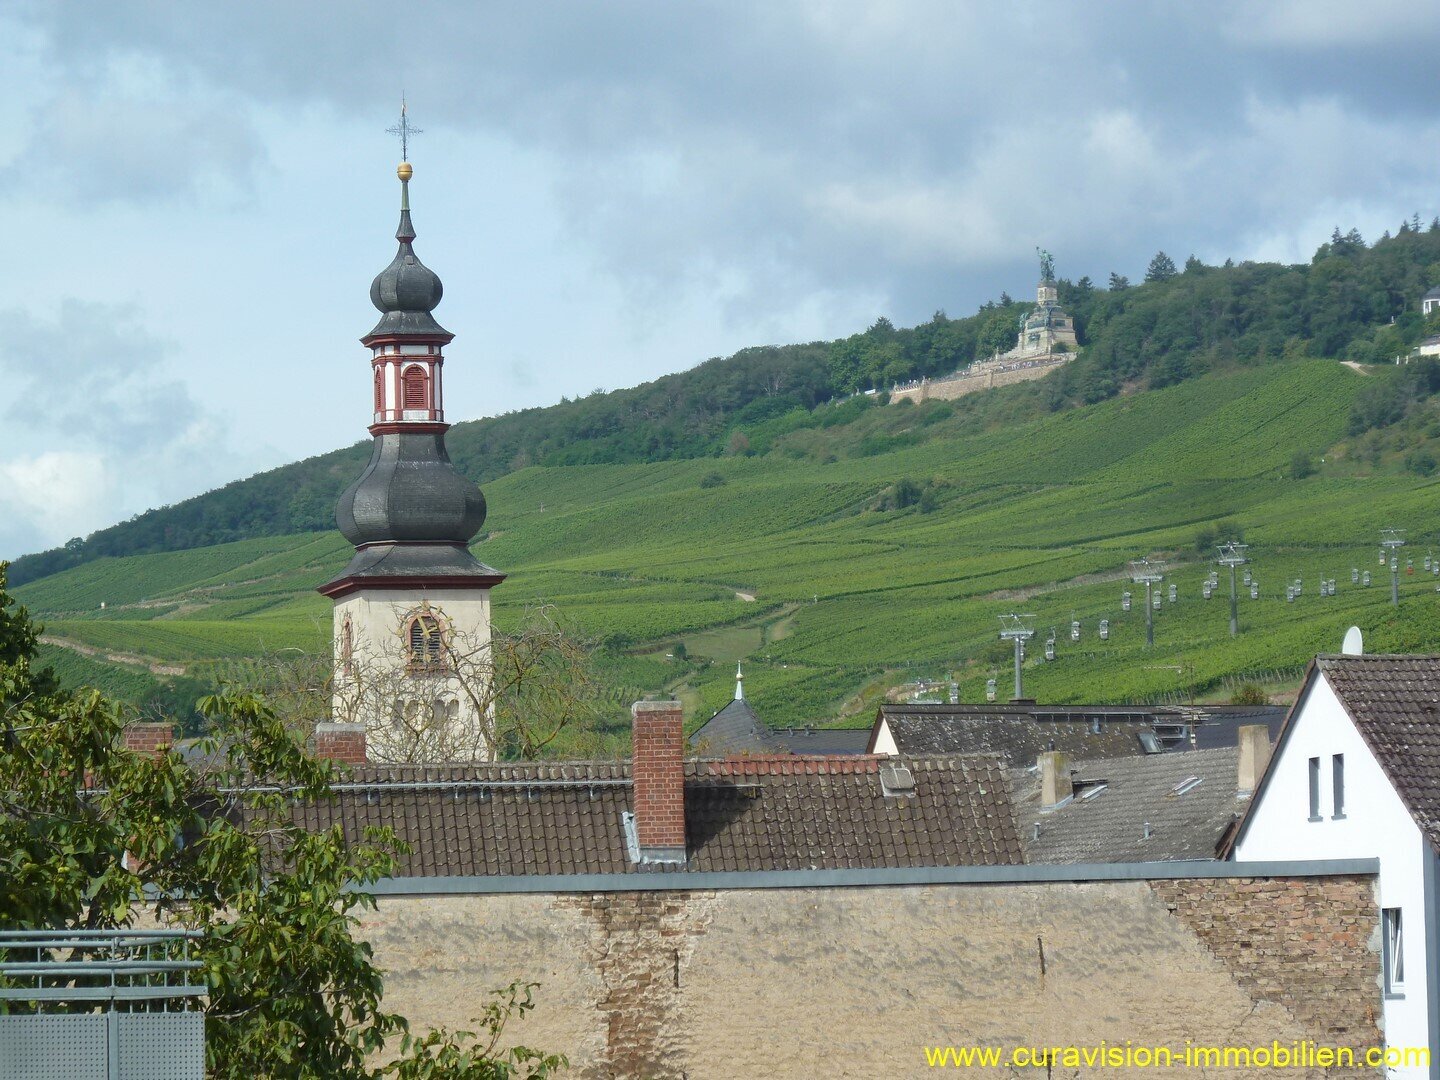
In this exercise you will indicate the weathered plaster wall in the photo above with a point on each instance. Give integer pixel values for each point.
(856, 981)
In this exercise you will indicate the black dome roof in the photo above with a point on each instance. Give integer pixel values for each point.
(407, 290)
(410, 493)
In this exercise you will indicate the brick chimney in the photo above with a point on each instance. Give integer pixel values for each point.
(1055, 785)
(1254, 756)
(151, 739)
(658, 774)
(343, 743)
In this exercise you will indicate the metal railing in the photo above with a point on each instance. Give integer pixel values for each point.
(79, 970)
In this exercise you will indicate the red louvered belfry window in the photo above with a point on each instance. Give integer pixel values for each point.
(415, 387)
(379, 390)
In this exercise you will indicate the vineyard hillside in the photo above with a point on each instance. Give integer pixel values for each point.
(877, 548)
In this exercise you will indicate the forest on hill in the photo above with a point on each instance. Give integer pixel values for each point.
(1353, 301)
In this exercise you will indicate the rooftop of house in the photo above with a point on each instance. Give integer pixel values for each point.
(738, 729)
(1394, 702)
(1153, 808)
(741, 814)
(1020, 732)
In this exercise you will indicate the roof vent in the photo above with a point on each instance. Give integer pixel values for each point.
(1190, 783)
(896, 780)
(1145, 831)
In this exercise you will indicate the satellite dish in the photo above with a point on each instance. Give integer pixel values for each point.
(1353, 645)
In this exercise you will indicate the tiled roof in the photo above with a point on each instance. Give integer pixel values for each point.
(1020, 733)
(738, 729)
(1012, 731)
(822, 740)
(1109, 826)
(764, 813)
(735, 729)
(1395, 703)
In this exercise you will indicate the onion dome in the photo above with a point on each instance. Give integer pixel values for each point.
(410, 493)
(407, 290)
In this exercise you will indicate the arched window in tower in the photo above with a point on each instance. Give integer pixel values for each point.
(424, 639)
(415, 388)
(379, 390)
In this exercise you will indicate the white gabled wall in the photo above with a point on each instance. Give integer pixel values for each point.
(1376, 825)
(884, 741)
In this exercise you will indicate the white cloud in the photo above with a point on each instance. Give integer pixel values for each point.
(96, 428)
(50, 496)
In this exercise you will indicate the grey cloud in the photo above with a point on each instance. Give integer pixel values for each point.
(113, 147)
(764, 151)
(95, 373)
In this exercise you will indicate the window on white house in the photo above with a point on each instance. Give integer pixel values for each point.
(1394, 944)
(1314, 789)
(1337, 783)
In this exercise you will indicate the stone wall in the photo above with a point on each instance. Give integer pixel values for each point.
(1308, 943)
(954, 386)
(858, 981)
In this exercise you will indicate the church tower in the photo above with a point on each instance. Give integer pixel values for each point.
(412, 608)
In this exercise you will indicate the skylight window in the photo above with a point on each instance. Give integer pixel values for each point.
(1094, 791)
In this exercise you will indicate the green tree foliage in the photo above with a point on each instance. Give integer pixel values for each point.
(1420, 462)
(1301, 465)
(1391, 395)
(1209, 537)
(92, 835)
(1161, 268)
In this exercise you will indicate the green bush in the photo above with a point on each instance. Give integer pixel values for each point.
(1249, 694)
(1421, 462)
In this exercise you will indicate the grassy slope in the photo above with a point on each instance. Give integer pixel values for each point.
(644, 555)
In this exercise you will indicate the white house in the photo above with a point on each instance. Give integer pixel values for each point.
(1356, 774)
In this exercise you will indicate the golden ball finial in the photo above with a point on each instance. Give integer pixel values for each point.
(404, 171)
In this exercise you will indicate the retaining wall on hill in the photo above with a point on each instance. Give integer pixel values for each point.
(972, 381)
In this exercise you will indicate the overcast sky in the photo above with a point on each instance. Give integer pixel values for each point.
(197, 195)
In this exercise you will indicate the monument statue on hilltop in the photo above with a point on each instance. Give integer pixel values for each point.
(1047, 264)
(1045, 329)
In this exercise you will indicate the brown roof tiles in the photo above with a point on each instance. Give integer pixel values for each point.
(742, 814)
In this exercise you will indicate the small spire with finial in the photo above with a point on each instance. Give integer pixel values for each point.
(404, 170)
(739, 684)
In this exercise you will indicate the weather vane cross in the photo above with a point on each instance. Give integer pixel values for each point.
(404, 130)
